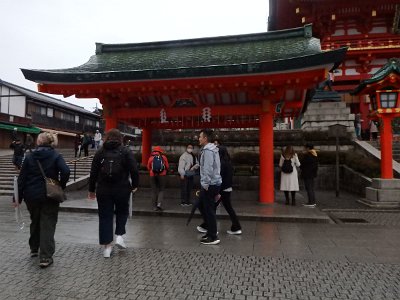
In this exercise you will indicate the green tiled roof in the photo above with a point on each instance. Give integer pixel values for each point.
(393, 66)
(240, 54)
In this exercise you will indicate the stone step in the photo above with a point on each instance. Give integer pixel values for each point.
(4, 187)
(376, 204)
(321, 118)
(344, 113)
(326, 105)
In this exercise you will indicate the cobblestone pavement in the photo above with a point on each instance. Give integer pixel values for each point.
(80, 272)
(165, 260)
(368, 217)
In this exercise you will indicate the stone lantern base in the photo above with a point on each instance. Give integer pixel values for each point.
(383, 193)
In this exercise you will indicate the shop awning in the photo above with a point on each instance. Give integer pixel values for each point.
(53, 131)
(20, 128)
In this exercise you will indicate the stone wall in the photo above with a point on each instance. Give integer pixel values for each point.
(353, 182)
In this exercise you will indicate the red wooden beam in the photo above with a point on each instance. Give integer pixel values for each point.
(137, 113)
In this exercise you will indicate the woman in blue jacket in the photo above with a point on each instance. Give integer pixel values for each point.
(32, 189)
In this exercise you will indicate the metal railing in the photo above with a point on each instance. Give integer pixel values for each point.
(74, 161)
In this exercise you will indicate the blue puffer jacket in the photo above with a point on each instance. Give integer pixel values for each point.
(31, 185)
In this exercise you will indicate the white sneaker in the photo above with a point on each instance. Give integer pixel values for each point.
(107, 251)
(119, 242)
(310, 205)
(201, 229)
(237, 232)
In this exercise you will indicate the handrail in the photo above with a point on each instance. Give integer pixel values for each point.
(79, 159)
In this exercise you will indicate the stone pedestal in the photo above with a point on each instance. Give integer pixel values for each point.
(383, 193)
(320, 115)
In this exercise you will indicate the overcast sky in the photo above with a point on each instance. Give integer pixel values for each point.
(52, 34)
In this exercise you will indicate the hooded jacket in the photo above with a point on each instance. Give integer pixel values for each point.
(128, 161)
(210, 166)
(309, 164)
(157, 151)
(31, 185)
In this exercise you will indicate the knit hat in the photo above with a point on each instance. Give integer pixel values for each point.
(158, 149)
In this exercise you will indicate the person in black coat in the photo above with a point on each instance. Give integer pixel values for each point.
(19, 152)
(226, 189)
(309, 169)
(113, 194)
(32, 189)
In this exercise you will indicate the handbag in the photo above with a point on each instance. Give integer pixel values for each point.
(190, 173)
(54, 190)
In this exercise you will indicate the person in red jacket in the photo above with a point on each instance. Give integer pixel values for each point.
(157, 166)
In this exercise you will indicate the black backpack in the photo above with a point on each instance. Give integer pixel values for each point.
(287, 166)
(112, 165)
(158, 164)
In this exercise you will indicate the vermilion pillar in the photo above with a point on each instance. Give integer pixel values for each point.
(266, 157)
(386, 148)
(146, 145)
(111, 122)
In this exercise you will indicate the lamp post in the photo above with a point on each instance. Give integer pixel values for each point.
(387, 106)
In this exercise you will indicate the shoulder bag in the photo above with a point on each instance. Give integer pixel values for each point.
(53, 187)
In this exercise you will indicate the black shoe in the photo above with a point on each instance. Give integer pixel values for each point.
(45, 262)
(34, 253)
(210, 241)
(159, 209)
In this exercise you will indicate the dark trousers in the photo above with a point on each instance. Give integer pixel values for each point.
(111, 201)
(207, 209)
(186, 189)
(157, 186)
(309, 186)
(44, 216)
(293, 193)
(85, 149)
(226, 202)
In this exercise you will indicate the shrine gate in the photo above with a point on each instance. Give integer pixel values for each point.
(218, 82)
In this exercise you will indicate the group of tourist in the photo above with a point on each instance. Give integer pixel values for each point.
(82, 142)
(114, 176)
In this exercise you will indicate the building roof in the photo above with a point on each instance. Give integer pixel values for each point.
(393, 66)
(265, 52)
(47, 99)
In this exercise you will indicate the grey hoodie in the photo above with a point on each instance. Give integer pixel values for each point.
(210, 166)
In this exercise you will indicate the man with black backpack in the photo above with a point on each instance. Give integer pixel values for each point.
(109, 181)
(157, 166)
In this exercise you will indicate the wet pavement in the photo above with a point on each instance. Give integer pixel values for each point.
(244, 203)
(164, 260)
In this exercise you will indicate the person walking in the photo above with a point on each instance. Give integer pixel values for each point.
(226, 189)
(29, 143)
(97, 139)
(85, 143)
(158, 167)
(373, 130)
(309, 169)
(210, 181)
(112, 166)
(19, 152)
(187, 167)
(357, 125)
(289, 179)
(77, 145)
(32, 189)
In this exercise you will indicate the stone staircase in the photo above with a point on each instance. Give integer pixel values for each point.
(79, 168)
(396, 148)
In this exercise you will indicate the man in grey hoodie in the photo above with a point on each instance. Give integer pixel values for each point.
(210, 180)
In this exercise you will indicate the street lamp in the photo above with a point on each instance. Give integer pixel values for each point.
(388, 99)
